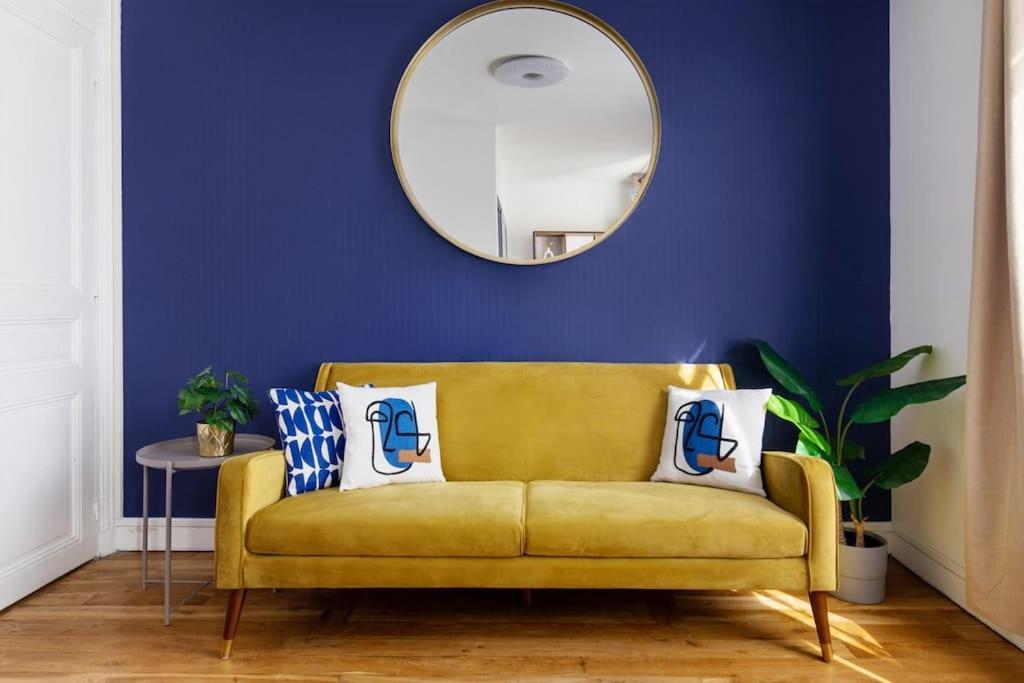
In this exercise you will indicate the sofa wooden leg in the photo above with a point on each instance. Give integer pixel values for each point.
(819, 606)
(236, 600)
(527, 597)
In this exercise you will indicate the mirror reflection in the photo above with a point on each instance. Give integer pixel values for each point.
(525, 135)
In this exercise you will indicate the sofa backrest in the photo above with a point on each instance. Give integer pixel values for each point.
(528, 421)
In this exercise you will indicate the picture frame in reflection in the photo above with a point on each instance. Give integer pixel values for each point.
(549, 244)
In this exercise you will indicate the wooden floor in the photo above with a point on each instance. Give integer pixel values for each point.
(96, 624)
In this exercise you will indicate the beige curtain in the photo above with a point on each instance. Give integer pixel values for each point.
(995, 365)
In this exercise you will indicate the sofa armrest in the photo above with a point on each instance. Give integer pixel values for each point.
(803, 485)
(246, 484)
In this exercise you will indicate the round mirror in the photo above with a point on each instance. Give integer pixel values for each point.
(525, 132)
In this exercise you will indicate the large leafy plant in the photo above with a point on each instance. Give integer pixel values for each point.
(820, 438)
(221, 404)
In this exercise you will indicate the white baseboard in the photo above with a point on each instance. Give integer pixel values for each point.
(187, 533)
(931, 564)
(942, 573)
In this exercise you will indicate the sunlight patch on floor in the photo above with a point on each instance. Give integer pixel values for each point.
(859, 669)
(843, 629)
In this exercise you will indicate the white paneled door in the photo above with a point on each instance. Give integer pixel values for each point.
(50, 207)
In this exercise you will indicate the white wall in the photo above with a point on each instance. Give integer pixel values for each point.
(935, 53)
(586, 191)
(570, 202)
(451, 165)
(934, 65)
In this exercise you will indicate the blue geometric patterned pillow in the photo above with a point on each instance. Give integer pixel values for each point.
(312, 436)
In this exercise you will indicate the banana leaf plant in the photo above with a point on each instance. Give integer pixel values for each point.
(830, 441)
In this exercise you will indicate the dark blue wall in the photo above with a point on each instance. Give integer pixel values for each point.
(260, 205)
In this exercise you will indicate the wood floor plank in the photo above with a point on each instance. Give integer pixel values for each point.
(96, 624)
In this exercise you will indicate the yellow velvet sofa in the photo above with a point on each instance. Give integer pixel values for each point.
(548, 468)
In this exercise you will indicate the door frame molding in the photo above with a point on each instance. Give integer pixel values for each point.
(110, 373)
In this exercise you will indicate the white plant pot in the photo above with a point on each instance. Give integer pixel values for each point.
(862, 570)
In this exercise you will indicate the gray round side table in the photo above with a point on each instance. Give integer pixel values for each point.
(171, 456)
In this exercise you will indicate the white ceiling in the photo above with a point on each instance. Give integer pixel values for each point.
(597, 121)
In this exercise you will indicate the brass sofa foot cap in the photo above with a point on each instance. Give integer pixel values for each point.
(225, 649)
(826, 652)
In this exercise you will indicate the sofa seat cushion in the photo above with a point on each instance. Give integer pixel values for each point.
(648, 519)
(443, 519)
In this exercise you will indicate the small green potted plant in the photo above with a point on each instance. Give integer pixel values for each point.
(222, 405)
(862, 565)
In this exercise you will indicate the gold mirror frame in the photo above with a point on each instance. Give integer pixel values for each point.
(553, 6)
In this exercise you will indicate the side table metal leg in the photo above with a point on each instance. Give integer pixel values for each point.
(167, 544)
(145, 526)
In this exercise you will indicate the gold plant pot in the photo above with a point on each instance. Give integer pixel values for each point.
(213, 441)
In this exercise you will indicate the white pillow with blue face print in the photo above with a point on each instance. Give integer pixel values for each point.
(713, 438)
(390, 435)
